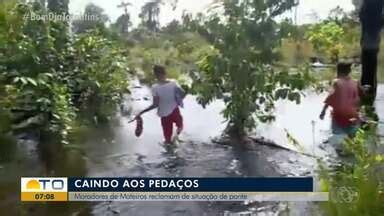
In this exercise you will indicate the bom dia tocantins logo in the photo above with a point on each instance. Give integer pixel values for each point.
(44, 189)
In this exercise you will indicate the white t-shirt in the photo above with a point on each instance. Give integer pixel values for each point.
(167, 98)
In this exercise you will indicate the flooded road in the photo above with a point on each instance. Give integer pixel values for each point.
(115, 151)
(122, 154)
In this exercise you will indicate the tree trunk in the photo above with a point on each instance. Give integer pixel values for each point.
(371, 16)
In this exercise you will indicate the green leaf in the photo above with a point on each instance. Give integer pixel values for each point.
(24, 80)
(32, 81)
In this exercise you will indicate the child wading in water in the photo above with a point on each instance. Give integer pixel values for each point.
(345, 102)
(167, 97)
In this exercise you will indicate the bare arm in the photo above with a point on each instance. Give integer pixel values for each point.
(154, 105)
(324, 111)
(364, 90)
(328, 100)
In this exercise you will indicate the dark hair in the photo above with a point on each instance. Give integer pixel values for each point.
(344, 68)
(158, 69)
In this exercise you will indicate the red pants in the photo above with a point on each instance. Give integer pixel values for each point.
(167, 124)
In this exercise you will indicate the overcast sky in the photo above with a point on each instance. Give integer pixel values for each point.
(306, 8)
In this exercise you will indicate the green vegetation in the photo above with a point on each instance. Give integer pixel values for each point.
(53, 77)
(327, 38)
(52, 80)
(357, 187)
(47, 77)
(177, 52)
(84, 25)
(241, 65)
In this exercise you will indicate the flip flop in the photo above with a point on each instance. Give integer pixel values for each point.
(139, 127)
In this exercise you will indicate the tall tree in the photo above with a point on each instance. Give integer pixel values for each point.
(327, 38)
(150, 15)
(123, 23)
(173, 27)
(337, 15)
(94, 18)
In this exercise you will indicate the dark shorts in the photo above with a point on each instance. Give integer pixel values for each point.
(350, 130)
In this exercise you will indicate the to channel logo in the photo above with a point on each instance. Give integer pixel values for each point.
(44, 189)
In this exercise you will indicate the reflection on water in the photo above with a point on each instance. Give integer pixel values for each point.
(301, 121)
(32, 159)
(115, 151)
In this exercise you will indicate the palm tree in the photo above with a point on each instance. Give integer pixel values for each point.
(124, 21)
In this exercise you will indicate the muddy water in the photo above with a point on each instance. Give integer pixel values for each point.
(115, 151)
(122, 154)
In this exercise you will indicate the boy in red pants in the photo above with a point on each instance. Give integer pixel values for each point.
(167, 97)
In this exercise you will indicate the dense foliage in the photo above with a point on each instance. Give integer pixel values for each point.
(93, 18)
(47, 76)
(327, 39)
